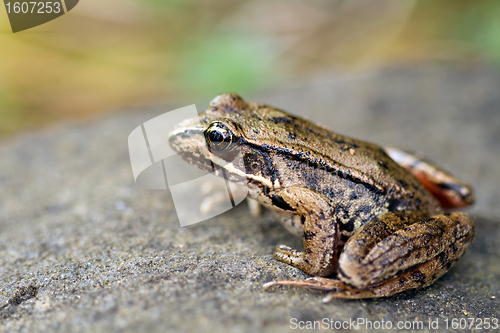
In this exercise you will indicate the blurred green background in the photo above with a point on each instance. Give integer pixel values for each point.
(107, 55)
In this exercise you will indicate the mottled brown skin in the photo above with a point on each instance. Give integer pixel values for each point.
(362, 215)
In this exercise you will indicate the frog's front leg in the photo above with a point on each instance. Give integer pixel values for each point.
(321, 233)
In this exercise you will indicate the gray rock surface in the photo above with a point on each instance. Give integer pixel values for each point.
(81, 249)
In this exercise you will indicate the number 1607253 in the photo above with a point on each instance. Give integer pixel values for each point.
(33, 7)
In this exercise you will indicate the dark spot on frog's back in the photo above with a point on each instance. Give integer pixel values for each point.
(443, 258)
(281, 120)
(312, 180)
(310, 130)
(402, 183)
(349, 226)
(342, 211)
(382, 151)
(292, 136)
(309, 235)
(340, 141)
(280, 203)
(383, 165)
(418, 277)
(331, 193)
(228, 109)
(348, 146)
(397, 204)
(364, 210)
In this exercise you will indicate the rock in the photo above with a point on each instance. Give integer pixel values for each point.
(82, 249)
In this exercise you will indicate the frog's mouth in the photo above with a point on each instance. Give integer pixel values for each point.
(189, 143)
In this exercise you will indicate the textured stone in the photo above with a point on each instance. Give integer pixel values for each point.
(81, 249)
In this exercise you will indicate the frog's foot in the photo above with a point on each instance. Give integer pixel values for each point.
(338, 288)
(450, 191)
(413, 278)
(215, 195)
(393, 254)
(290, 256)
(255, 207)
(297, 259)
(318, 283)
(293, 257)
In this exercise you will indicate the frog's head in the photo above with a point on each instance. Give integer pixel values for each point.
(230, 135)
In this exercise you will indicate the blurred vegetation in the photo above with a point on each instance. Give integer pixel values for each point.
(106, 55)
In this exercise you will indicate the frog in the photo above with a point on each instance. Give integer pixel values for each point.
(374, 221)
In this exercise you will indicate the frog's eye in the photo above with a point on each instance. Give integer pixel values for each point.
(219, 137)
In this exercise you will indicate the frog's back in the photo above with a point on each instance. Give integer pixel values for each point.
(355, 161)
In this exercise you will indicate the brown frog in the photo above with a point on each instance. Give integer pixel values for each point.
(371, 218)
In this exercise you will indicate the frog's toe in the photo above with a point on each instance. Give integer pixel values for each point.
(310, 283)
(319, 279)
(290, 256)
(295, 258)
(283, 250)
(211, 202)
(337, 288)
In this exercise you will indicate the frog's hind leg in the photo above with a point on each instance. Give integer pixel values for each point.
(400, 251)
(393, 254)
(450, 191)
(415, 278)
